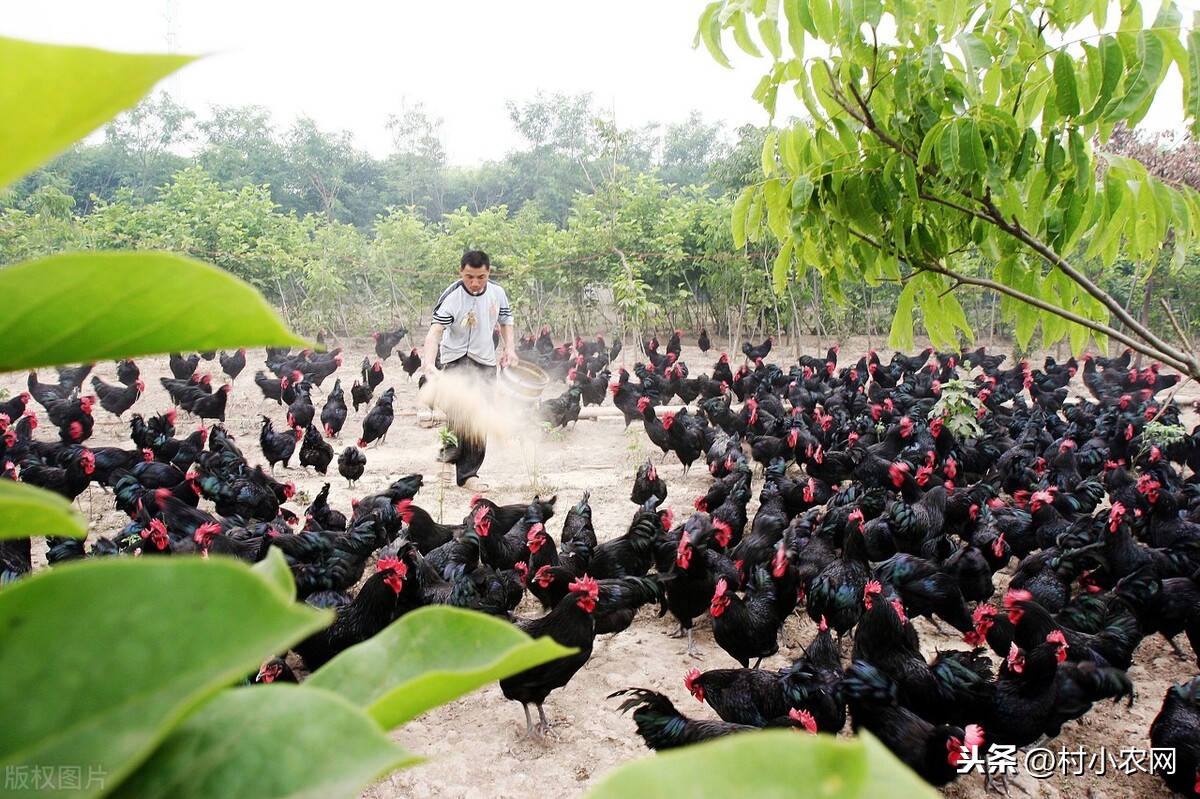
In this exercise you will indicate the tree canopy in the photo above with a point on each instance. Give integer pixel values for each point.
(961, 144)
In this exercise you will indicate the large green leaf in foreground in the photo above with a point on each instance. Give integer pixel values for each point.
(51, 96)
(94, 306)
(427, 658)
(27, 511)
(101, 659)
(261, 741)
(784, 764)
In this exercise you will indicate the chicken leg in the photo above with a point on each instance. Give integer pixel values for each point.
(529, 728)
(691, 647)
(544, 726)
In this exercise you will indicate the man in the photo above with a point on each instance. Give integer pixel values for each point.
(461, 336)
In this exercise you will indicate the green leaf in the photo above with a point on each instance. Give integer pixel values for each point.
(1079, 339)
(1145, 222)
(1025, 155)
(1112, 61)
(1191, 100)
(822, 16)
(86, 307)
(783, 263)
(427, 658)
(1118, 204)
(804, 92)
(118, 686)
(1077, 149)
(1027, 322)
(741, 35)
(768, 153)
(802, 191)
(971, 156)
(710, 33)
(1141, 84)
(29, 511)
(770, 765)
(979, 57)
(768, 29)
(1066, 90)
(908, 175)
(795, 28)
(948, 148)
(863, 12)
(776, 200)
(215, 753)
(52, 96)
(738, 216)
(274, 570)
(901, 335)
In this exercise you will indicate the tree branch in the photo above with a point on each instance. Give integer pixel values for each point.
(1037, 302)
(1097, 327)
(1175, 323)
(1017, 231)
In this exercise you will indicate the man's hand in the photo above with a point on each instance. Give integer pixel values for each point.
(509, 358)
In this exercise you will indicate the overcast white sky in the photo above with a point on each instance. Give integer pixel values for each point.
(348, 64)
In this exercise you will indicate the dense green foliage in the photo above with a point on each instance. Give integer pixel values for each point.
(958, 144)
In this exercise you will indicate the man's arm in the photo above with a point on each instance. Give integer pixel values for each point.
(509, 357)
(433, 340)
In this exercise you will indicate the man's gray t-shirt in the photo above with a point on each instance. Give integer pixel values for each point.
(469, 322)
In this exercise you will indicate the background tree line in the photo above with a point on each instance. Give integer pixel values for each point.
(592, 227)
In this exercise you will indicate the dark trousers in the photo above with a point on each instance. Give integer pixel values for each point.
(470, 449)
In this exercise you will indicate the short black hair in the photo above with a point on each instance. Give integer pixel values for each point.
(475, 259)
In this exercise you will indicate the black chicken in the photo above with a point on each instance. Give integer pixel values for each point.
(562, 410)
(128, 372)
(277, 447)
(211, 406)
(315, 451)
(68, 482)
(333, 415)
(117, 399)
(570, 624)
(647, 483)
(754, 353)
(746, 628)
(272, 388)
(934, 751)
(183, 368)
(379, 419)
(1177, 728)
(411, 363)
(386, 341)
(351, 464)
(383, 598)
(663, 727)
(233, 365)
(372, 374)
(361, 395)
(301, 410)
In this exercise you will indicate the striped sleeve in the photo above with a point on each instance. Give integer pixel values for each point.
(505, 316)
(442, 314)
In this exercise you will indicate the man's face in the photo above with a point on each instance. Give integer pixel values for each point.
(474, 278)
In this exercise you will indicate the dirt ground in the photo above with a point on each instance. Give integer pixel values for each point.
(475, 745)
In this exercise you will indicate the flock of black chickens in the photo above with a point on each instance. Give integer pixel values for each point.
(880, 501)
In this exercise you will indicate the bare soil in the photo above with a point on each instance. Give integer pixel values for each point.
(475, 745)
